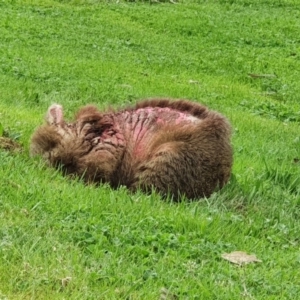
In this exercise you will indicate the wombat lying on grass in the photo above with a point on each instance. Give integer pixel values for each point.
(176, 147)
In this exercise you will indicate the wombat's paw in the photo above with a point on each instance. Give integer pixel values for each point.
(95, 141)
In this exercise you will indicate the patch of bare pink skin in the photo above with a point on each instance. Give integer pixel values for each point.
(161, 117)
(141, 123)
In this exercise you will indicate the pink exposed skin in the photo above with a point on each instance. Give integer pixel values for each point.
(176, 147)
(140, 125)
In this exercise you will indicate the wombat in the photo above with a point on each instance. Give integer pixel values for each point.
(176, 147)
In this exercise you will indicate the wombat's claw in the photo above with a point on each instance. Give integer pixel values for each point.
(95, 141)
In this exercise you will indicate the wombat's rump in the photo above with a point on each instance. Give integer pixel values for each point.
(177, 147)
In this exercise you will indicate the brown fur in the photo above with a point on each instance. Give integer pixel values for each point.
(192, 157)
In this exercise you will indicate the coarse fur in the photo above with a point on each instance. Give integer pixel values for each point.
(176, 147)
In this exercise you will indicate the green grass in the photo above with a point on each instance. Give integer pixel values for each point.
(117, 245)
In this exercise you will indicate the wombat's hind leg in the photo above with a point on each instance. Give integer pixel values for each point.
(167, 171)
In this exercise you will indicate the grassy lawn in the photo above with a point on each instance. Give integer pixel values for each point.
(60, 239)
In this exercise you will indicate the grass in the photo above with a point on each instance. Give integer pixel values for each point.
(60, 239)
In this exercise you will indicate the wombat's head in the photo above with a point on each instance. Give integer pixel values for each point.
(62, 144)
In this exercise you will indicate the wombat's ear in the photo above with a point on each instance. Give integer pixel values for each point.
(54, 115)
